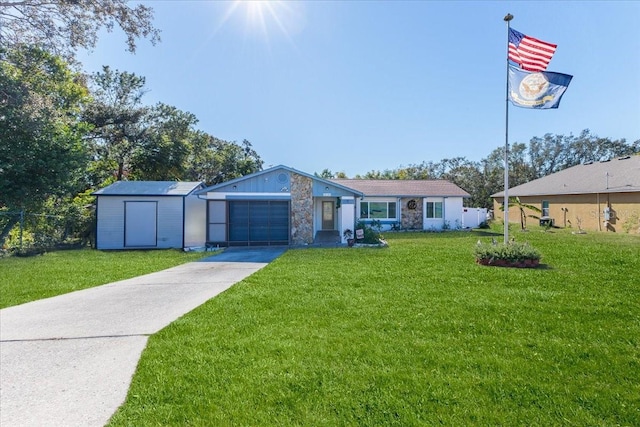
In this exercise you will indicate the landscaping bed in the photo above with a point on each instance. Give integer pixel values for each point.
(512, 254)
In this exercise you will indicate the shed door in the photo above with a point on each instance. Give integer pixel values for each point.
(259, 222)
(140, 224)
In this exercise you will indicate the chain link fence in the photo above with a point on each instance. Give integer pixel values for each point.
(27, 233)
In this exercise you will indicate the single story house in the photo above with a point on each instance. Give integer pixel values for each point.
(598, 196)
(409, 204)
(277, 206)
(150, 214)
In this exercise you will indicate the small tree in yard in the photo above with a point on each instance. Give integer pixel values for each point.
(515, 201)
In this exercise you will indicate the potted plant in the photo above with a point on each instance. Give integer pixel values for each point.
(348, 235)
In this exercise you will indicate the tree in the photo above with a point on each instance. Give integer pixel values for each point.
(63, 26)
(548, 154)
(213, 160)
(386, 174)
(234, 160)
(553, 153)
(492, 181)
(164, 146)
(42, 151)
(118, 118)
(421, 171)
(325, 174)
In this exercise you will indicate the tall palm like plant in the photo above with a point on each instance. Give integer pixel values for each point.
(522, 207)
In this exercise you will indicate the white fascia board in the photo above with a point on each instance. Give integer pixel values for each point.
(224, 196)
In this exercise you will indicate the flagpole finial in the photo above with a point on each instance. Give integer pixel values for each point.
(508, 17)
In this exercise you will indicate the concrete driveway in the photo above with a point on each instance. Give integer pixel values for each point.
(68, 360)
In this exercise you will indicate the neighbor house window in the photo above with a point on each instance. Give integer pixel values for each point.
(545, 208)
(378, 210)
(434, 209)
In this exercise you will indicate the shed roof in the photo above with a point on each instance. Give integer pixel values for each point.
(620, 175)
(149, 188)
(402, 188)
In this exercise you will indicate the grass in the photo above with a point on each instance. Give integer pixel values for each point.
(54, 273)
(415, 334)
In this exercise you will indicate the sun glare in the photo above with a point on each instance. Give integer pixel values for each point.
(264, 17)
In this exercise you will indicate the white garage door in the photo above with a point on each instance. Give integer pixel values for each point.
(140, 224)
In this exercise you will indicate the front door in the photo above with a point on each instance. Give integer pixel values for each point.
(328, 210)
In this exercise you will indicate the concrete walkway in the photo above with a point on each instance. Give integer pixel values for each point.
(68, 360)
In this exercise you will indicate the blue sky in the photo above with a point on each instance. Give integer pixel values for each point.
(355, 86)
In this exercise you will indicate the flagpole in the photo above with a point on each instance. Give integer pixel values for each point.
(507, 19)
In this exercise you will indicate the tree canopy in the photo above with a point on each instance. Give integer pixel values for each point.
(541, 157)
(131, 140)
(117, 116)
(42, 152)
(63, 26)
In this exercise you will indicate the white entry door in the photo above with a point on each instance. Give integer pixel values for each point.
(140, 224)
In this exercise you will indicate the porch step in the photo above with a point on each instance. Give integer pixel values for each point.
(327, 236)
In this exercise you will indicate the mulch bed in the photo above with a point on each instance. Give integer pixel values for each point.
(527, 263)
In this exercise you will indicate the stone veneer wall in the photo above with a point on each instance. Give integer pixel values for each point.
(411, 218)
(301, 210)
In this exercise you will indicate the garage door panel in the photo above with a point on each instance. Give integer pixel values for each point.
(258, 222)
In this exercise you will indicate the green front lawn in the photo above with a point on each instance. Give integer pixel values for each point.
(54, 273)
(415, 334)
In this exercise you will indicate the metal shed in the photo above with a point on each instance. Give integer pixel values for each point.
(150, 215)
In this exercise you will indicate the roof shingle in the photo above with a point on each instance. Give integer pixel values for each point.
(613, 176)
(402, 188)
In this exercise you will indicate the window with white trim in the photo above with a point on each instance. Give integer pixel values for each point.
(378, 210)
(434, 210)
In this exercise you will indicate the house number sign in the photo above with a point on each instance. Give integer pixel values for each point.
(411, 204)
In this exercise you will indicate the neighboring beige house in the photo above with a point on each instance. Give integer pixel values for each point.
(597, 196)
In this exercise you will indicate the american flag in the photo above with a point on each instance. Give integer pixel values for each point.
(531, 54)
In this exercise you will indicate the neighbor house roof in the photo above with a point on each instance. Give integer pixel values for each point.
(403, 187)
(612, 176)
(149, 188)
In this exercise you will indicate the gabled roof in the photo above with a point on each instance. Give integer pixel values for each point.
(271, 170)
(149, 188)
(620, 175)
(404, 187)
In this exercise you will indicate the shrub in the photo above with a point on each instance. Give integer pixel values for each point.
(511, 253)
(371, 235)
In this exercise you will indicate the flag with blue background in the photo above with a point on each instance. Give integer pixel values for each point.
(541, 90)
